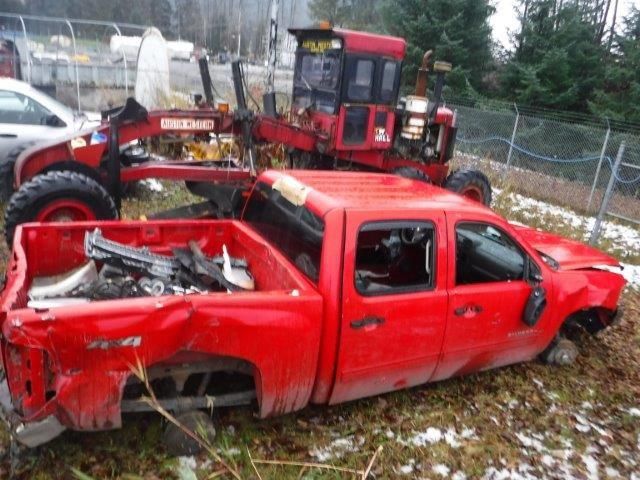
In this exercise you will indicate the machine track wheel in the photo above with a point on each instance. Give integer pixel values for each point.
(58, 196)
(472, 184)
(178, 442)
(411, 172)
(560, 352)
(6, 170)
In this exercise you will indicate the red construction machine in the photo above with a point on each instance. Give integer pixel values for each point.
(345, 114)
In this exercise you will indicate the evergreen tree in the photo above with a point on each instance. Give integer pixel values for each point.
(161, 13)
(558, 59)
(458, 31)
(354, 14)
(619, 97)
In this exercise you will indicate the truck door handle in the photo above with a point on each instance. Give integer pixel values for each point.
(8, 135)
(366, 321)
(468, 310)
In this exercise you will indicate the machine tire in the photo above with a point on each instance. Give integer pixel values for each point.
(6, 170)
(64, 188)
(561, 352)
(472, 184)
(177, 442)
(412, 173)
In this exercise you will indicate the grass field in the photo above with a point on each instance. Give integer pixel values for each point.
(524, 421)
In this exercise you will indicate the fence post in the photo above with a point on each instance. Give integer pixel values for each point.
(513, 137)
(75, 54)
(602, 152)
(595, 233)
(26, 42)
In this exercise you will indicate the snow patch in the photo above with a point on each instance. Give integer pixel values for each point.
(152, 184)
(186, 468)
(441, 469)
(434, 435)
(592, 467)
(530, 442)
(337, 448)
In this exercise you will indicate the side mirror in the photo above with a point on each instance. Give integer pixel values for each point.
(535, 306)
(54, 121)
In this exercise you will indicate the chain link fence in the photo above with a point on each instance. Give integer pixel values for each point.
(560, 158)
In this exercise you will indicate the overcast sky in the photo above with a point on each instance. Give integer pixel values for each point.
(505, 20)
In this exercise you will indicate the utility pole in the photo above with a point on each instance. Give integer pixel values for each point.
(273, 43)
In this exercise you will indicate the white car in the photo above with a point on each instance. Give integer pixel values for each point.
(27, 115)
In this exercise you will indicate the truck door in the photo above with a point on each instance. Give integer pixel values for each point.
(394, 302)
(488, 292)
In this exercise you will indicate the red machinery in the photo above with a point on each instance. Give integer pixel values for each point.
(345, 115)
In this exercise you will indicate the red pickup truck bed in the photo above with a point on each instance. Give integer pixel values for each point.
(219, 324)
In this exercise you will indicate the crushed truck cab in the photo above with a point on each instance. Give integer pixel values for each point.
(360, 284)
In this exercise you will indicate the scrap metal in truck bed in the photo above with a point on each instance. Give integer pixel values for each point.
(358, 284)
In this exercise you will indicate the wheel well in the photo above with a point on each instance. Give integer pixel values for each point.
(591, 319)
(195, 375)
(74, 167)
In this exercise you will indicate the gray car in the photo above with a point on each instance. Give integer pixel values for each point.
(27, 116)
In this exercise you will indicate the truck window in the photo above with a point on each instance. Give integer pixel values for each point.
(395, 257)
(294, 230)
(484, 253)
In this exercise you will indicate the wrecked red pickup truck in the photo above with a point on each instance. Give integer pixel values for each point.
(333, 286)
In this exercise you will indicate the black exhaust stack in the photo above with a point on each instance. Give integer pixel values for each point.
(206, 80)
(243, 114)
(440, 69)
(238, 84)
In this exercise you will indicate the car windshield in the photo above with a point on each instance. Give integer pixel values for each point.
(316, 80)
(294, 230)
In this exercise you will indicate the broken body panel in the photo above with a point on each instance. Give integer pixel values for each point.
(313, 330)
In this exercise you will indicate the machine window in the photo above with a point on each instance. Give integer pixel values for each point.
(316, 80)
(359, 79)
(484, 254)
(388, 82)
(356, 121)
(395, 257)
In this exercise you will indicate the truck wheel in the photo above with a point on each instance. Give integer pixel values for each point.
(177, 442)
(58, 196)
(411, 172)
(560, 352)
(472, 184)
(6, 170)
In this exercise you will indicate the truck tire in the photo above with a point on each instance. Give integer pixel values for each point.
(58, 196)
(472, 184)
(177, 442)
(412, 173)
(6, 170)
(561, 352)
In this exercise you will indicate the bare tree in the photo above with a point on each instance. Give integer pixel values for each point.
(612, 31)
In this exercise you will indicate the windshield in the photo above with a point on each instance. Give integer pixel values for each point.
(316, 80)
(295, 230)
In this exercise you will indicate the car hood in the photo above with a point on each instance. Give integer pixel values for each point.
(570, 254)
(87, 120)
